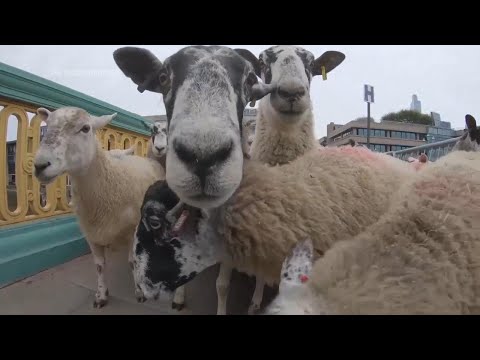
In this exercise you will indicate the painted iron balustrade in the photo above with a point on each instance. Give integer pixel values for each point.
(22, 198)
(434, 151)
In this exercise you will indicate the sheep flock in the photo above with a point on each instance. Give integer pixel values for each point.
(339, 230)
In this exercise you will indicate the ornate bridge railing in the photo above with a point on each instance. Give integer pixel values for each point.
(434, 151)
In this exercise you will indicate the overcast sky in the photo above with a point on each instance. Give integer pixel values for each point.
(445, 78)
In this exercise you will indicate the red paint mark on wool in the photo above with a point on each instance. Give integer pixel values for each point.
(359, 153)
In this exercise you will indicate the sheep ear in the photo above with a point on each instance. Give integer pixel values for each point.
(43, 113)
(140, 65)
(471, 122)
(99, 122)
(260, 90)
(330, 60)
(252, 59)
(298, 265)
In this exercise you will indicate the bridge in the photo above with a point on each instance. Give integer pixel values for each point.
(45, 262)
(45, 265)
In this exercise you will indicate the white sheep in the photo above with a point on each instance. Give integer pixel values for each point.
(108, 190)
(284, 128)
(157, 145)
(422, 257)
(329, 195)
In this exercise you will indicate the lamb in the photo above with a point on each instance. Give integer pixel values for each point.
(108, 190)
(323, 195)
(421, 258)
(284, 124)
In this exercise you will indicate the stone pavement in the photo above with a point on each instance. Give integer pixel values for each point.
(69, 289)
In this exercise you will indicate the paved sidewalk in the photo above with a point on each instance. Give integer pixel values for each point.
(69, 289)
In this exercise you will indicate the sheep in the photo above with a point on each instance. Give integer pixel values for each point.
(284, 124)
(108, 190)
(328, 195)
(470, 140)
(248, 135)
(205, 91)
(285, 121)
(157, 145)
(422, 257)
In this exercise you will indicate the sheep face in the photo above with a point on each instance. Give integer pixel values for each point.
(470, 140)
(294, 297)
(291, 69)
(205, 90)
(163, 262)
(249, 131)
(69, 145)
(159, 139)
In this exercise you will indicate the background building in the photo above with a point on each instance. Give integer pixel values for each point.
(384, 136)
(416, 105)
(440, 130)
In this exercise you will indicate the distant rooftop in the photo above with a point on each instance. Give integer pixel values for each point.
(154, 118)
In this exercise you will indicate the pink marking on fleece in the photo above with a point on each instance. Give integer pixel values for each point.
(360, 153)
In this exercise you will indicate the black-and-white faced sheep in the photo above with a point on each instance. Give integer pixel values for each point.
(285, 121)
(284, 124)
(325, 195)
(205, 90)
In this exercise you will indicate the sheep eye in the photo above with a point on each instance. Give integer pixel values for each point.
(85, 129)
(163, 78)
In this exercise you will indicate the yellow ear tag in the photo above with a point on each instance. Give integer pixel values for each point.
(324, 73)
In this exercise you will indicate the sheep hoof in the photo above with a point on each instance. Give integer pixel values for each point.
(99, 303)
(253, 309)
(141, 299)
(177, 306)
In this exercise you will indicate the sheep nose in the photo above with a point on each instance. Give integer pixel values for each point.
(40, 167)
(159, 148)
(200, 162)
(291, 93)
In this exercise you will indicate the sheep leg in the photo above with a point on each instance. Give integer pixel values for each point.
(101, 296)
(223, 285)
(257, 296)
(178, 302)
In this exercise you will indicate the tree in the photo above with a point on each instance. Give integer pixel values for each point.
(364, 118)
(409, 116)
